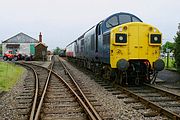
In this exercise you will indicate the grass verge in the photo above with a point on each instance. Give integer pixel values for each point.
(9, 75)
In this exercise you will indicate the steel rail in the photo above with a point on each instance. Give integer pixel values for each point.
(77, 96)
(36, 90)
(91, 115)
(164, 91)
(43, 94)
(83, 95)
(150, 104)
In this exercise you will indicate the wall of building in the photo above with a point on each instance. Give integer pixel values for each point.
(24, 48)
(38, 52)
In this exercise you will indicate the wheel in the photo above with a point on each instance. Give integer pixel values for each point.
(118, 78)
(109, 73)
(121, 78)
(5, 58)
(15, 58)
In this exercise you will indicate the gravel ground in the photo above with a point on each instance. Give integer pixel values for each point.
(109, 102)
(169, 76)
(171, 81)
(116, 107)
(7, 101)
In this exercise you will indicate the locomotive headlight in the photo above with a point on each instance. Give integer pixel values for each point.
(121, 38)
(155, 38)
(123, 29)
(120, 29)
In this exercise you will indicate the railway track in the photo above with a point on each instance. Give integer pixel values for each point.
(33, 88)
(160, 101)
(58, 98)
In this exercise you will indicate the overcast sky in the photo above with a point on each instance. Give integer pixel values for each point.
(62, 21)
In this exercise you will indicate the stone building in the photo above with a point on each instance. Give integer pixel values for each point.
(20, 43)
(40, 50)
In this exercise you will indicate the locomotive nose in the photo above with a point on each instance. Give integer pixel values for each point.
(159, 65)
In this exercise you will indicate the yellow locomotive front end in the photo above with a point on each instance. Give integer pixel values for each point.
(135, 49)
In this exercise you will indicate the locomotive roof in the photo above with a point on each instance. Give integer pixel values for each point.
(116, 14)
(122, 13)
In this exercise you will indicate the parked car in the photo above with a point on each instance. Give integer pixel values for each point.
(9, 55)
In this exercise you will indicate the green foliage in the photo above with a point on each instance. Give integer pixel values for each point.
(168, 45)
(171, 62)
(9, 74)
(177, 50)
(56, 51)
(0, 50)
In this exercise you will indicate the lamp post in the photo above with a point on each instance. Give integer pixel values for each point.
(167, 51)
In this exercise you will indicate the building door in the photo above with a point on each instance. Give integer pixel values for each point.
(32, 49)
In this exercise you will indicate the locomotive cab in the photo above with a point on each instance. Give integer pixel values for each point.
(133, 47)
(135, 51)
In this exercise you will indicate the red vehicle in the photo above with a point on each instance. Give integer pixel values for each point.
(9, 56)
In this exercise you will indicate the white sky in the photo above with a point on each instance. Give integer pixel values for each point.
(62, 21)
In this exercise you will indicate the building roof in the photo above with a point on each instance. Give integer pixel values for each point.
(40, 43)
(21, 38)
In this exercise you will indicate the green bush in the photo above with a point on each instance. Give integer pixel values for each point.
(177, 50)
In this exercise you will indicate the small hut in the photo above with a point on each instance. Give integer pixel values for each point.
(40, 50)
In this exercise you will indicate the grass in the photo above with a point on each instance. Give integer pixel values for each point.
(171, 65)
(9, 75)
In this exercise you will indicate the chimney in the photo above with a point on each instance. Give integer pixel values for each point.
(40, 37)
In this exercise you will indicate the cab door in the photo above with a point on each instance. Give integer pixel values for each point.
(133, 42)
(98, 49)
(143, 41)
(138, 41)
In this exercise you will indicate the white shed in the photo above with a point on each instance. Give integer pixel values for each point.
(21, 43)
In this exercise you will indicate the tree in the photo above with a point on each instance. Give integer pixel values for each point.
(0, 49)
(168, 45)
(177, 50)
(56, 51)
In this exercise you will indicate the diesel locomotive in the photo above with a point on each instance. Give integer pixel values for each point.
(121, 48)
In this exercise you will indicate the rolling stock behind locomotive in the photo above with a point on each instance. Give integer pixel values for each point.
(120, 48)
